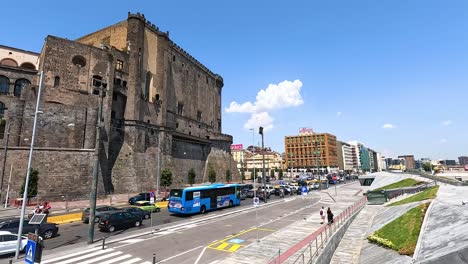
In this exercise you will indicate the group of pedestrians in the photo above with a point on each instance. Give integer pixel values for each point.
(328, 213)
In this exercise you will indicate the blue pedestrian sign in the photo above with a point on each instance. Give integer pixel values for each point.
(151, 194)
(30, 252)
(304, 190)
(281, 182)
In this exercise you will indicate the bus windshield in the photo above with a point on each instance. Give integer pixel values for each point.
(176, 193)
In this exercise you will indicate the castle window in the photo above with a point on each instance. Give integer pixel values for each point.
(177, 125)
(97, 82)
(56, 81)
(19, 85)
(28, 65)
(157, 97)
(173, 57)
(119, 65)
(2, 109)
(180, 108)
(4, 85)
(147, 84)
(9, 62)
(79, 61)
(206, 79)
(199, 116)
(124, 83)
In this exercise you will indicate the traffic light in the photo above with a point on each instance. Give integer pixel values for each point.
(260, 130)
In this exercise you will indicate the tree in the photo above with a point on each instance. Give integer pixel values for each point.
(242, 173)
(166, 178)
(211, 174)
(33, 180)
(191, 176)
(228, 176)
(280, 174)
(427, 167)
(272, 173)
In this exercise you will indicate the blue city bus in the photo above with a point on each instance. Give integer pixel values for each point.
(201, 199)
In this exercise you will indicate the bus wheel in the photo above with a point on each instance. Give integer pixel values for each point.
(230, 204)
(202, 209)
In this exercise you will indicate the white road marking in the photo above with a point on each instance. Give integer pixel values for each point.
(70, 255)
(132, 241)
(130, 261)
(180, 254)
(199, 256)
(94, 260)
(117, 259)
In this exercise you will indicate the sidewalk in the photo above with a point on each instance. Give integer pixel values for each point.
(265, 250)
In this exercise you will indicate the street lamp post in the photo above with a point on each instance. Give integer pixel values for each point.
(97, 148)
(26, 183)
(260, 131)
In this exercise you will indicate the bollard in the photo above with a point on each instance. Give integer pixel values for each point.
(103, 243)
(154, 258)
(316, 246)
(10, 261)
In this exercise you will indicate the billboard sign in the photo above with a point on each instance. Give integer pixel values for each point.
(236, 147)
(306, 130)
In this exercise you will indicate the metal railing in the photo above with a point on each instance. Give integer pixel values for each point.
(317, 240)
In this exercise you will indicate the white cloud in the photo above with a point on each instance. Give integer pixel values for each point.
(443, 140)
(276, 96)
(260, 119)
(446, 123)
(388, 126)
(338, 113)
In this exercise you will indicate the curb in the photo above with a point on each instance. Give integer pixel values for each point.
(75, 217)
(421, 232)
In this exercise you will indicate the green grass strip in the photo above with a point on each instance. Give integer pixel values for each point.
(429, 193)
(403, 183)
(402, 233)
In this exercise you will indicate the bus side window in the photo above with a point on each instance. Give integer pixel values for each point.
(189, 196)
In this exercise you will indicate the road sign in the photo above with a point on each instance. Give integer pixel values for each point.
(151, 200)
(151, 194)
(304, 190)
(30, 252)
(281, 182)
(256, 201)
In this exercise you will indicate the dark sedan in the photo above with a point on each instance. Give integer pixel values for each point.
(99, 211)
(46, 230)
(118, 220)
(139, 197)
(143, 214)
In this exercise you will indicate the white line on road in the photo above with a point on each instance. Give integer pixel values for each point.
(130, 261)
(199, 256)
(117, 259)
(70, 255)
(94, 260)
(180, 254)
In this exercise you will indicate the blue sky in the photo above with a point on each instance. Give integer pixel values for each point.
(361, 64)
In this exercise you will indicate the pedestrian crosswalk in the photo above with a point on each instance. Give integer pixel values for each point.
(96, 255)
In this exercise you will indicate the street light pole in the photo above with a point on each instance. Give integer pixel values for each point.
(26, 183)
(260, 131)
(97, 148)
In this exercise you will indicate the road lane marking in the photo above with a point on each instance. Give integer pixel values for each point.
(78, 258)
(234, 248)
(94, 260)
(199, 256)
(130, 261)
(222, 246)
(180, 254)
(117, 259)
(266, 229)
(70, 255)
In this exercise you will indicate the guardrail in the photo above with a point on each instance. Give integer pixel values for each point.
(317, 240)
(438, 178)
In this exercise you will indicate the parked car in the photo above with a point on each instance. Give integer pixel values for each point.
(316, 186)
(147, 206)
(270, 189)
(99, 211)
(250, 194)
(287, 189)
(139, 197)
(138, 212)
(261, 193)
(8, 242)
(243, 195)
(112, 221)
(46, 230)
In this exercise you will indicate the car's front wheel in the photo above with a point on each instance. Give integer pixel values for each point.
(111, 229)
(158, 210)
(147, 216)
(137, 223)
(48, 234)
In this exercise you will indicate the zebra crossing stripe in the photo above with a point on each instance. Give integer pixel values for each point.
(117, 259)
(131, 261)
(85, 256)
(69, 255)
(94, 260)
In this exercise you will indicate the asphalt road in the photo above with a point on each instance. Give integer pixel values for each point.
(78, 232)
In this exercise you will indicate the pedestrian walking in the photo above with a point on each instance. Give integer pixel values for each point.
(322, 215)
(329, 216)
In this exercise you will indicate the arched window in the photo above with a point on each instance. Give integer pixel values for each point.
(147, 84)
(56, 81)
(28, 65)
(4, 85)
(2, 109)
(9, 62)
(79, 61)
(19, 86)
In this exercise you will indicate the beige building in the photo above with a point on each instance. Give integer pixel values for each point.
(273, 160)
